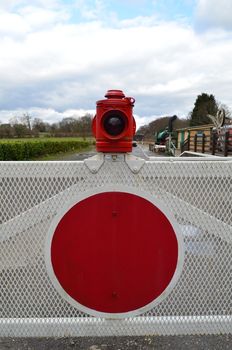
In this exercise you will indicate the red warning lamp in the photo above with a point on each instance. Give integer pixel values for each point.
(114, 125)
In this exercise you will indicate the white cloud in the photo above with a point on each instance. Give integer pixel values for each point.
(91, 10)
(214, 13)
(30, 19)
(12, 4)
(39, 18)
(12, 24)
(8, 4)
(48, 64)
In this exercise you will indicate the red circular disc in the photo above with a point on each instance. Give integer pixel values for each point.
(114, 252)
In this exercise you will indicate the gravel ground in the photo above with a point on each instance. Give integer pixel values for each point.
(207, 342)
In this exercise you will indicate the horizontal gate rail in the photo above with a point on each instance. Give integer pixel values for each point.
(133, 326)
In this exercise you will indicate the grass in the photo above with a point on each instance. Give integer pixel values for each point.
(62, 155)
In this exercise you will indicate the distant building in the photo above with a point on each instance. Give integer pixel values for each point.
(186, 136)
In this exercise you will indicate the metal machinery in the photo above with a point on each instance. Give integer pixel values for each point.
(222, 132)
(165, 137)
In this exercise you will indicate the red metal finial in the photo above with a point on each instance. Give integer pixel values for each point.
(115, 94)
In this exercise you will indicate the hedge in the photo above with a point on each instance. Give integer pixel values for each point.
(28, 149)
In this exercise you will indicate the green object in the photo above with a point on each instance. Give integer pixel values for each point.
(30, 148)
(162, 135)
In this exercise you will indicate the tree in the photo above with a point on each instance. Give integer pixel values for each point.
(54, 129)
(228, 113)
(68, 125)
(6, 130)
(38, 125)
(84, 125)
(26, 120)
(20, 130)
(204, 104)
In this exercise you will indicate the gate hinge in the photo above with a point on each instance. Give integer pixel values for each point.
(94, 163)
(134, 163)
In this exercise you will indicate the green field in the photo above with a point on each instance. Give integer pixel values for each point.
(27, 149)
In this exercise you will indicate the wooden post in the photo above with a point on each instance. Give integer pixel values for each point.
(203, 143)
(181, 147)
(226, 143)
(214, 140)
(195, 143)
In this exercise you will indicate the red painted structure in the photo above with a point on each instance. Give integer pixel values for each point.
(114, 125)
(114, 252)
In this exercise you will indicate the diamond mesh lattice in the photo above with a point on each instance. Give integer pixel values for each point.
(199, 195)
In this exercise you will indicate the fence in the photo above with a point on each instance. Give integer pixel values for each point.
(214, 144)
(198, 193)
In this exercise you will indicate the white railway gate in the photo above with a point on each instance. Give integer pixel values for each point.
(198, 194)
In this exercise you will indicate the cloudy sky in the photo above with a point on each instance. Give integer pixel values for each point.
(57, 57)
